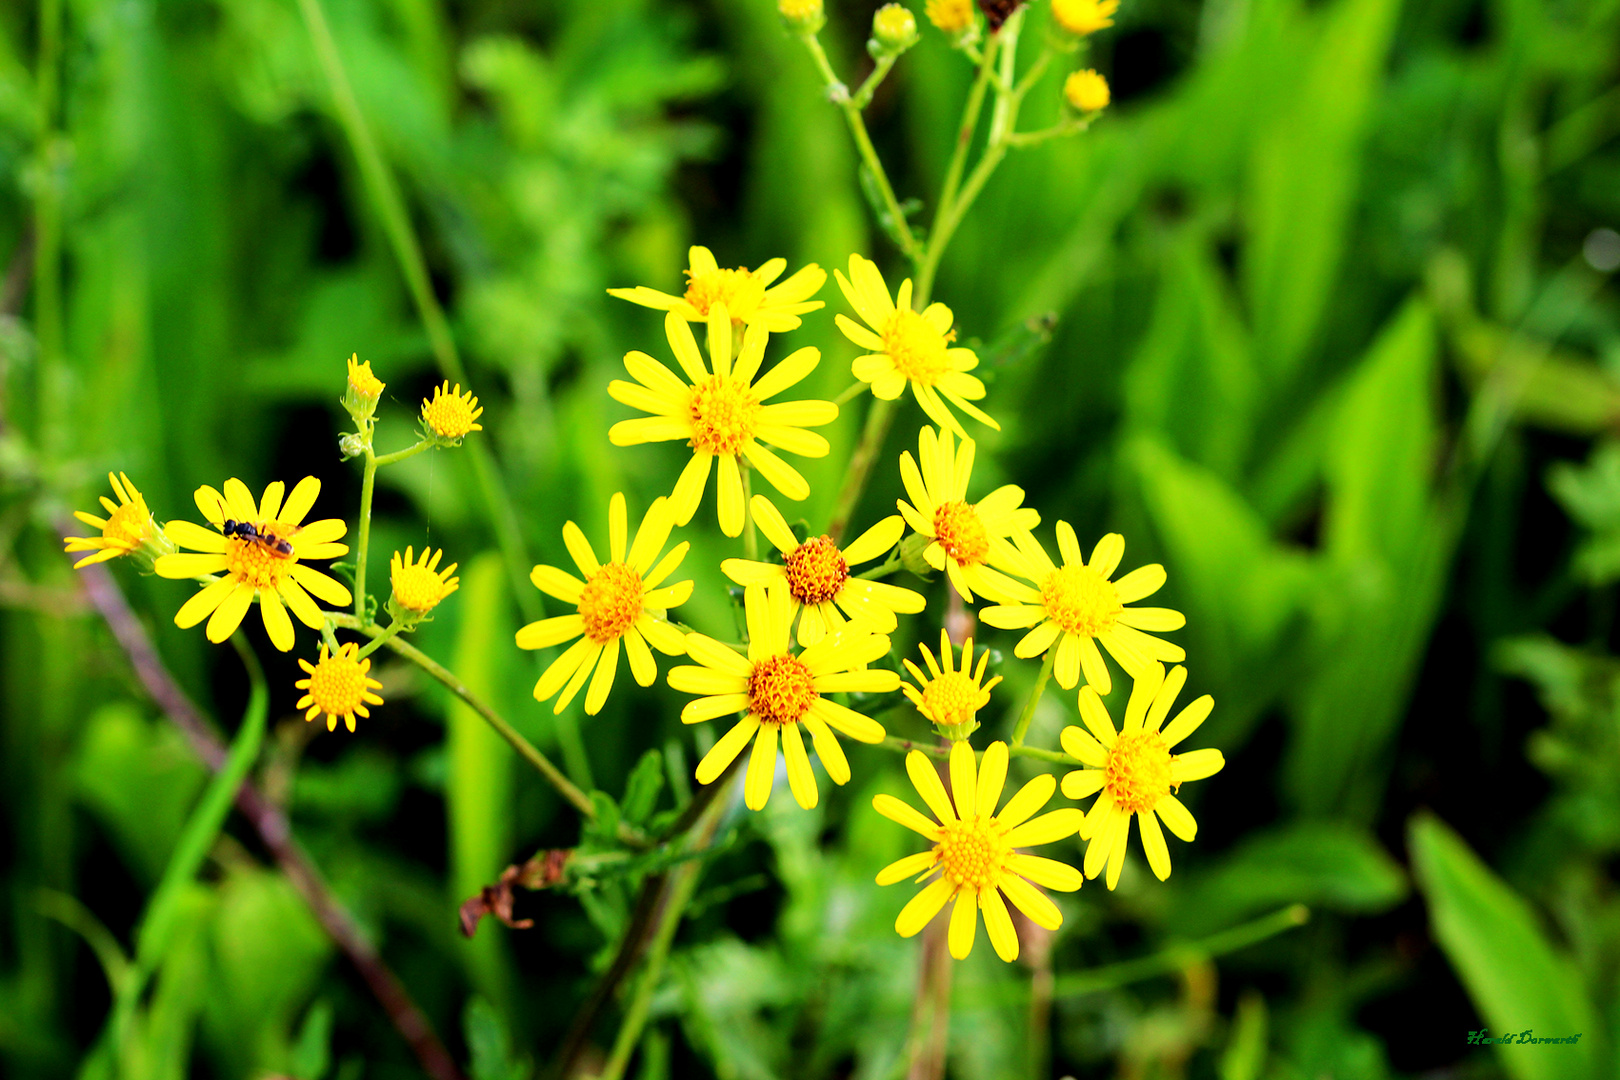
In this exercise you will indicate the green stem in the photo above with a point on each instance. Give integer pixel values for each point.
(934, 749)
(390, 206)
(1176, 957)
(878, 418)
(401, 455)
(849, 393)
(953, 173)
(863, 97)
(839, 93)
(888, 566)
(1024, 139)
(1021, 728)
(368, 483)
(380, 640)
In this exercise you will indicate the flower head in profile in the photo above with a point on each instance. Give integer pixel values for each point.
(362, 381)
(747, 295)
(909, 347)
(721, 413)
(1132, 771)
(951, 16)
(781, 692)
(968, 540)
(1083, 17)
(127, 527)
(818, 580)
(974, 852)
(338, 685)
(1076, 606)
(949, 698)
(451, 415)
(1086, 91)
(260, 550)
(419, 585)
(619, 601)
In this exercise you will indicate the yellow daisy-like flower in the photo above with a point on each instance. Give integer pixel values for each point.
(1086, 91)
(419, 586)
(816, 574)
(261, 556)
(362, 381)
(974, 850)
(338, 686)
(1082, 17)
(1077, 606)
(950, 699)
(951, 16)
(126, 527)
(909, 347)
(781, 692)
(619, 601)
(450, 414)
(1132, 771)
(722, 414)
(747, 295)
(969, 539)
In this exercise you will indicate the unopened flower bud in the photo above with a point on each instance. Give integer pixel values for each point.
(802, 16)
(351, 445)
(894, 30)
(362, 391)
(1086, 91)
(911, 556)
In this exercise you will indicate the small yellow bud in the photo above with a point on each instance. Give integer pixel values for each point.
(1086, 90)
(362, 392)
(952, 16)
(894, 30)
(1082, 17)
(802, 16)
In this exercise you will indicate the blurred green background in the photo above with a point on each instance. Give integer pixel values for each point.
(1325, 325)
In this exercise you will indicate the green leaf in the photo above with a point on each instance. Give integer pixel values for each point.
(490, 1044)
(1590, 495)
(1517, 979)
(311, 1055)
(641, 790)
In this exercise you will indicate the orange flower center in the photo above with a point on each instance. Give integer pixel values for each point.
(816, 571)
(338, 683)
(1138, 771)
(953, 698)
(917, 349)
(961, 533)
(610, 602)
(126, 526)
(781, 690)
(739, 290)
(259, 561)
(1080, 600)
(972, 852)
(723, 412)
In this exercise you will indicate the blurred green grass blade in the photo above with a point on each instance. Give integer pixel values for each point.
(478, 797)
(1245, 1054)
(1516, 977)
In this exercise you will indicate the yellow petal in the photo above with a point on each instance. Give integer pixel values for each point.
(725, 750)
(923, 907)
(964, 924)
(761, 769)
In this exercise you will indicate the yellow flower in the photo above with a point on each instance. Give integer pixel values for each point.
(722, 415)
(1079, 603)
(781, 692)
(894, 29)
(1082, 17)
(1086, 90)
(969, 539)
(265, 563)
(747, 295)
(816, 574)
(1135, 772)
(619, 600)
(801, 16)
(338, 686)
(951, 16)
(362, 381)
(974, 852)
(420, 586)
(450, 414)
(126, 527)
(908, 347)
(950, 699)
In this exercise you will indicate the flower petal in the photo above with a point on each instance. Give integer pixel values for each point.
(827, 749)
(708, 708)
(851, 723)
(1153, 845)
(761, 769)
(1046, 829)
(276, 622)
(689, 488)
(549, 632)
(964, 924)
(1195, 765)
(1031, 901)
(202, 603)
(1141, 582)
(228, 616)
(606, 668)
(1176, 817)
(1187, 721)
(725, 750)
(801, 779)
(1048, 872)
(926, 780)
(922, 908)
(1030, 798)
(908, 867)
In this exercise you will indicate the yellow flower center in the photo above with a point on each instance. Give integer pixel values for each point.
(1086, 90)
(953, 698)
(259, 562)
(917, 349)
(451, 416)
(1080, 600)
(723, 412)
(338, 683)
(972, 852)
(951, 16)
(816, 571)
(739, 290)
(610, 602)
(126, 526)
(1138, 771)
(781, 690)
(418, 588)
(961, 533)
